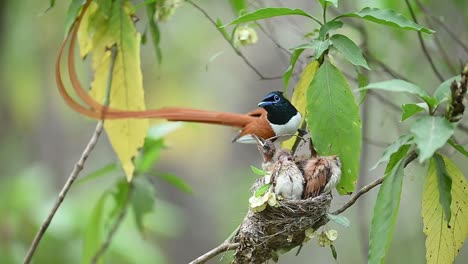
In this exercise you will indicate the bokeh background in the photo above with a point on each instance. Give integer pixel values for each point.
(41, 139)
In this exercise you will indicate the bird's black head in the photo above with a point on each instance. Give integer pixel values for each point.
(279, 109)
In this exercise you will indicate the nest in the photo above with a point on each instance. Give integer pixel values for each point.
(278, 229)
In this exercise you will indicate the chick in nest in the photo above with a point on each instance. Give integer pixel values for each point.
(321, 174)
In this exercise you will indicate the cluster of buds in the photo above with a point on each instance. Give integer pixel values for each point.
(165, 9)
(245, 35)
(456, 106)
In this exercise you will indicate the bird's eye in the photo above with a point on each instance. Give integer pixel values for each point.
(276, 98)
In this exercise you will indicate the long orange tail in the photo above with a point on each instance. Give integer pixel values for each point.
(202, 116)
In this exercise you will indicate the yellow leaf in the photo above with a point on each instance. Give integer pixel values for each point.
(84, 34)
(299, 99)
(444, 240)
(115, 26)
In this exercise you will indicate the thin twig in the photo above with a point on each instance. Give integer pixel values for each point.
(423, 45)
(236, 50)
(115, 226)
(412, 156)
(73, 175)
(225, 246)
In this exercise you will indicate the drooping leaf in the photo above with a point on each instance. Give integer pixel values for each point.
(238, 6)
(258, 171)
(154, 29)
(116, 27)
(392, 148)
(339, 219)
(334, 122)
(444, 184)
(318, 46)
(329, 26)
(397, 86)
(176, 181)
(350, 51)
(409, 110)
(94, 232)
(287, 74)
(443, 91)
(325, 3)
(387, 17)
(386, 208)
(299, 97)
(262, 190)
(458, 147)
(268, 12)
(142, 201)
(430, 134)
(72, 13)
(444, 240)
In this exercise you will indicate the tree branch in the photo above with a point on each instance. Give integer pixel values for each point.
(224, 247)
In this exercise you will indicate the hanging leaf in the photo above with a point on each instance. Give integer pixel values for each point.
(392, 148)
(299, 97)
(113, 25)
(350, 51)
(287, 74)
(410, 110)
(269, 12)
(334, 122)
(458, 147)
(443, 241)
(387, 17)
(386, 207)
(430, 134)
(444, 184)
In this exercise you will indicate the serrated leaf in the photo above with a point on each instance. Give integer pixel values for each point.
(386, 208)
(72, 13)
(318, 46)
(299, 97)
(409, 110)
(397, 85)
(444, 240)
(116, 27)
(329, 26)
(350, 51)
(458, 147)
(176, 181)
(443, 93)
(387, 17)
(334, 122)
(94, 232)
(430, 134)
(339, 219)
(262, 190)
(392, 148)
(154, 29)
(444, 184)
(268, 12)
(142, 201)
(287, 74)
(258, 171)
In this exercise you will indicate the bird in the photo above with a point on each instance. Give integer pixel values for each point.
(287, 179)
(321, 174)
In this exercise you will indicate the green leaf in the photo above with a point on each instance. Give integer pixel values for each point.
(444, 184)
(397, 85)
(287, 74)
(430, 134)
(362, 81)
(339, 219)
(318, 46)
(386, 208)
(329, 26)
(72, 13)
(268, 12)
(258, 171)
(409, 110)
(154, 29)
(392, 148)
(238, 6)
(325, 3)
(149, 155)
(223, 31)
(262, 190)
(142, 201)
(176, 182)
(94, 232)
(458, 147)
(387, 17)
(98, 173)
(349, 50)
(444, 240)
(443, 93)
(334, 122)
(333, 251)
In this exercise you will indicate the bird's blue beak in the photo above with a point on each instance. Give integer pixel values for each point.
(264, 103)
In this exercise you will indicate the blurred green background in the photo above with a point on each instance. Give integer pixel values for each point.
(41, 139)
